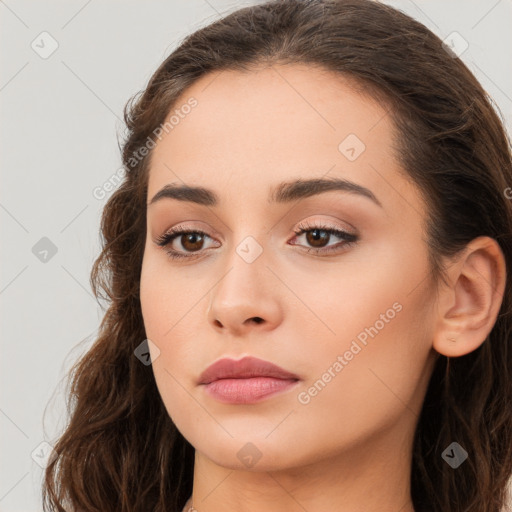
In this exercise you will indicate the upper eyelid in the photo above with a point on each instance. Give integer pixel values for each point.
(328, 224)
(302, 226)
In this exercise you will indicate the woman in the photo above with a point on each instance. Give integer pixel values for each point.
(310, 247)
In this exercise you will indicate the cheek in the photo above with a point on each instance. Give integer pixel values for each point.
(154, 305)
(378, 318)
(166, 297)
(358, 388)
(163, 305)
(171, 302)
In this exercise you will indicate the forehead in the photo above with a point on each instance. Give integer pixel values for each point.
(249, 130)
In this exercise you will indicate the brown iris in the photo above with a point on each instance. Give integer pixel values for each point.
(317, 235)
(196, 240)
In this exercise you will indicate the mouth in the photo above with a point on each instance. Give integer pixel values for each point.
(246, 381)
(247, 391)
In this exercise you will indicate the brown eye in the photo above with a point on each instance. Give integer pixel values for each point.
(192, 241)
(318, 237)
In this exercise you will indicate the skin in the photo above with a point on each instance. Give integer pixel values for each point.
(349, 448)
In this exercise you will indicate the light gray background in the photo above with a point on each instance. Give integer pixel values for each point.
(60, 119)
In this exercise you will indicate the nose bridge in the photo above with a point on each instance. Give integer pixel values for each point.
(247, 253)
(245, 272)
(245, 290)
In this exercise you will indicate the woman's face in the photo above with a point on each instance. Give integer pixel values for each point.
(352, 318)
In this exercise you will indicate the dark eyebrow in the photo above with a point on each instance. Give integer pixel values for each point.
(283, 193)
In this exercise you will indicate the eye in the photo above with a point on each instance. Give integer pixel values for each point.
(192, 241)
(319, 235)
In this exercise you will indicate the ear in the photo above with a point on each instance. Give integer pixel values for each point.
(469, 305)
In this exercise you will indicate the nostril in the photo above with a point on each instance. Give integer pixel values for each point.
(257, 319)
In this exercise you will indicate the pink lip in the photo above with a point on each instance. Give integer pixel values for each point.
(248, 380)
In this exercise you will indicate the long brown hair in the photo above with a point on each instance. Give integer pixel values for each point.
(120, 450)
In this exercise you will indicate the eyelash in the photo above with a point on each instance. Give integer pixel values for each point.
(168, 237)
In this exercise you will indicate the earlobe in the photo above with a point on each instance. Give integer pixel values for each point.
(469, 305)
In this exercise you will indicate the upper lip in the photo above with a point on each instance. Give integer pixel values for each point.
(243, 368)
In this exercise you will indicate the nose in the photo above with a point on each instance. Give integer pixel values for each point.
(245, 298)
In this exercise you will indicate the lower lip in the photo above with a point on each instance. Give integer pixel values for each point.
(247, 391)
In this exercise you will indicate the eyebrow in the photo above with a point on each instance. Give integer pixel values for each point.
(285, 192)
